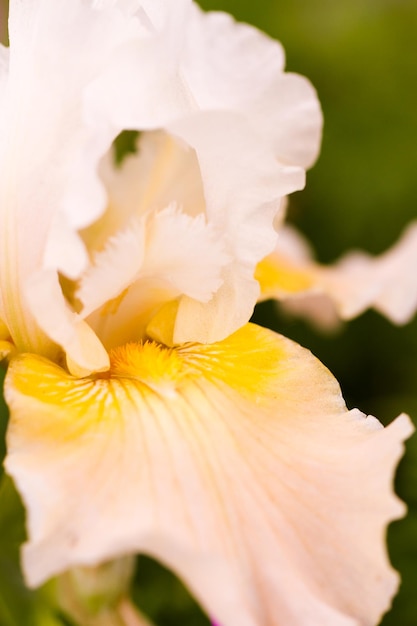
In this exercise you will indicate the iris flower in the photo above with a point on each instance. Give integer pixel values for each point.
(146, 414)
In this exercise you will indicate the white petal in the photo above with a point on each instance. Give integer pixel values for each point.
(290, 111)
(346, 289)
(164, 170)
(48, 154)
(114, 269)
(234, 66)
(207, 61)
(230, 308)
(85, 353)
(142, 87)
(243, 183)
(219, 86)
(237, 464)
(64, 243)
(398, 297)
(167, 254)
(202, 172)
(226, 64)
(243, 187)
(185, 252)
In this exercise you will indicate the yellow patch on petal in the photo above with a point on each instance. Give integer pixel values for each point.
(66, 401)
(277, 276)
(149, 363)
(248, 361)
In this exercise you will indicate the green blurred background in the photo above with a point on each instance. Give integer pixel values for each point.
(361, 55)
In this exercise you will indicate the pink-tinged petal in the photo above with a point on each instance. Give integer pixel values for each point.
(210, 246)
(236, 464)
(213, 83)
(358, 281)
(243, 187)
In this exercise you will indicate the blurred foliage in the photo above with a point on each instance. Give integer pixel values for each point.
(163, 597)
(125, 144)
(361, 57)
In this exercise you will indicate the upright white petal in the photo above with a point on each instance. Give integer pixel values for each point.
(243, 188)
(227, 64)
(216, 64)
(253, 130)
(232, 66)
(48, 154)
(205, 252)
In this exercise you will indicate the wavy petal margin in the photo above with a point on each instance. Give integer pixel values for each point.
(237, 464)
(344, 290)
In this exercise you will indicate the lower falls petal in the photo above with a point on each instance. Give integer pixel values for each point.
(236, 464)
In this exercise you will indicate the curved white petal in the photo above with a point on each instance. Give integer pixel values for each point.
(227, 64)
(84, 351)
(243, 187)
(237, 464)
(346, 289)
(232, 66)
(142, 87)
(48, 153)
(229, 308)
(164, 170)
(207, 61)
(290, 112)
(252, 129)
(205, 254)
